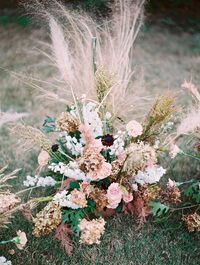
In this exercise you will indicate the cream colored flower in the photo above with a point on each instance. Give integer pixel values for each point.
(22, 240)
(134, 128)
(43, 158)
(91, 231)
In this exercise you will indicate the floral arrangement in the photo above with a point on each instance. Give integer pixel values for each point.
(96, 161)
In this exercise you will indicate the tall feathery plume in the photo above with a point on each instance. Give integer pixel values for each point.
(72, 34)
(32, 137)
(8, 117)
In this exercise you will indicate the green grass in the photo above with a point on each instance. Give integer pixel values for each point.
(167, 60)
(167, 244)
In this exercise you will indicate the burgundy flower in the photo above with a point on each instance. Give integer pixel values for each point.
(107, 140)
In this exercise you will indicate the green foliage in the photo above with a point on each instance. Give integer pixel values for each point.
(73, 217)
(49, 125)
(158, 208)
(193, 191)
(74, 185)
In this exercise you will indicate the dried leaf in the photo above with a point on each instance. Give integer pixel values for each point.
(62, 234)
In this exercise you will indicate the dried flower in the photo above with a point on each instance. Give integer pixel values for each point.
(171, 195)
(192, 222)
(99, 197)
(77, 197)
(91, 231)
(67, 122)
(21, 239)
(94, 165)
(134, 128)
(149, 193)
(8, 201)
(47, 220)
(139, 155)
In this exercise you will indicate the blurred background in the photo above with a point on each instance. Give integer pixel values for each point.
(167, 52)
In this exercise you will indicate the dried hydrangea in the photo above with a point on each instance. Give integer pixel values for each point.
(149, 193)
(8, 201)
(99, 197)
(67, 122)
(91, 231)
(47, 220)
(172, 194)
(139, 155)
(192, 222)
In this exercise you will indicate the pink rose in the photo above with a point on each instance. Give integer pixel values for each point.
(127, 197)
(114, 195)
(134, 128)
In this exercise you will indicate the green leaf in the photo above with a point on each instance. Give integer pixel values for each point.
(158, 208)
(74, 185)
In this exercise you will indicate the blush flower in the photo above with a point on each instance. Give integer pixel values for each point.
(127, 197)
(134, 128)
(43, 158)
(114, 195)
(21, 240)
(77, 197)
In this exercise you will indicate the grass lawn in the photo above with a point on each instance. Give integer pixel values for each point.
(166, 59)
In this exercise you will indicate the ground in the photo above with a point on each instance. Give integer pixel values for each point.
(166, 59)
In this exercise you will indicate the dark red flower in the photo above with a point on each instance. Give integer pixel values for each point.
(107, 140)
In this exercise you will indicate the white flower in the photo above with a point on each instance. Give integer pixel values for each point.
(39, 181)
(134, 128)
(63, 199)
(91, 118)
(46, 182)
(4, 261)
(70, 170)
(72, 144)
(30, 181)
(150, 175)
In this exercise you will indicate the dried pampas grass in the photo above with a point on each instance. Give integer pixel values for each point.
(8, 117)
(71, 51)
(190, 124)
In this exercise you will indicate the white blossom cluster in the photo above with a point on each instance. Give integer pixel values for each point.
(118, 146)
(91, 117)
(70, 170)
(4, 261)
(39, 181)
(150, 175)
(72, 144)
(63, 200)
